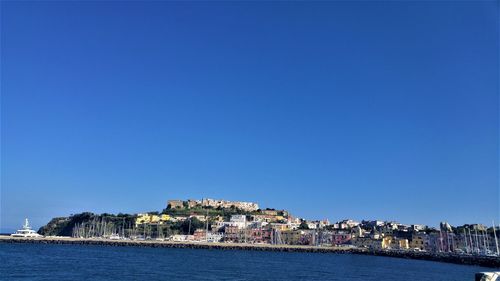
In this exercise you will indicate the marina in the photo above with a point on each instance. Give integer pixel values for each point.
(485, 261)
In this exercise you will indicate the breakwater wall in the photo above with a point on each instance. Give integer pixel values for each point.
(492, 262)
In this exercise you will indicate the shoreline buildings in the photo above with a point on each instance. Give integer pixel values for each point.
(210, 220)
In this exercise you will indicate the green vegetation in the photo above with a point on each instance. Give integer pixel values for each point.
(63, 226)
(123, 224)
(303, 225)
(95, 225)
(224, 213)
(190, 225)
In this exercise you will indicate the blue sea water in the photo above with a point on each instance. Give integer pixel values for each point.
(86, 262)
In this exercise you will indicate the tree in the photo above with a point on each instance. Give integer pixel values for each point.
(186, 228)
(303, 225)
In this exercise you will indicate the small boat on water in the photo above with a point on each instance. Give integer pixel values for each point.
(26, 231)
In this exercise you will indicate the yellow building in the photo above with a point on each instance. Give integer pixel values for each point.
(142, 219)
(149, 218)
(292, 237)
(417, 241)
(368, 242)
(397, 243)
(387, 242)
(154, 219)
(279, 218)
(280, 226)
(403, 244)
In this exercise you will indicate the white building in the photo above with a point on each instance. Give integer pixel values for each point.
(345, 224)
(294, 225)
(181, 238)
(246, 206)
(214, 237)
(312, 225)
(238, 220)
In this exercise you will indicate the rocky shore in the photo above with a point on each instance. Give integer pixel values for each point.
(493, 262)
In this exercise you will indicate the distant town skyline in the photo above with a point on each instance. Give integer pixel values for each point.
(363, 110)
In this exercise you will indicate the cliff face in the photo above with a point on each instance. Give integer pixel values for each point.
(89, 223)
(61, 226)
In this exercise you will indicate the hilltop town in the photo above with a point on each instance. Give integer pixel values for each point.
(209, 220)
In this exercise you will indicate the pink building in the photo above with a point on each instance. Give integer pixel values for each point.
(341, 238)
(200, 235)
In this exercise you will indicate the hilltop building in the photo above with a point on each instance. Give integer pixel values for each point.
(175, 204)
(212, 203)
(246, 206)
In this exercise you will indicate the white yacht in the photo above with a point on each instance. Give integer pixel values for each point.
(26, 231)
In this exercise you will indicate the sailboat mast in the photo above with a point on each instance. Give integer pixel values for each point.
(477, 240)
(206, 227)
(245, 229)
(189, 228)
(440, 241)
(484, 240)
(471, 241)
(465, 239)
(487, 241)
(496, 239)
(448, 240)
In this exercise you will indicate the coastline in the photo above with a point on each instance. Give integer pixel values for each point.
(492, 262)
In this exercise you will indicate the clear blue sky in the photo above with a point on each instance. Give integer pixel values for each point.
(376, 110)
